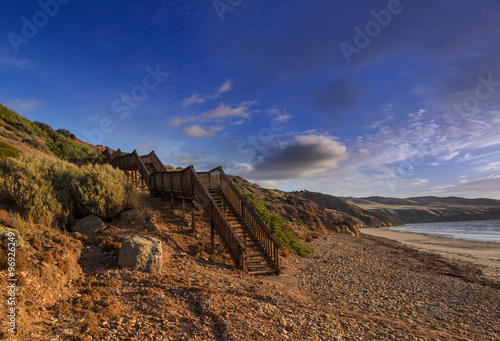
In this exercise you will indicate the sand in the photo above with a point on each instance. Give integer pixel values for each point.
(483, 255)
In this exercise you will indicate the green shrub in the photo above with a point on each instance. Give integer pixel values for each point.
(6, 150)
(52, 190)
(276, 224)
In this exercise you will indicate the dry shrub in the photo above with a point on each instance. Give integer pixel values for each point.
(55, 191)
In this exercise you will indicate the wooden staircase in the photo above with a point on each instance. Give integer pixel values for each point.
(249, 242)
(257, 260)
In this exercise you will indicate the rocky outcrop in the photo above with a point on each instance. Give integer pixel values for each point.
(131, 217)
(308, 212)
(88, 225)
(141, 253)
(431, 209)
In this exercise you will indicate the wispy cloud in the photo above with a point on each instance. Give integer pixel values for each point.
(22, 104)
(10, 60)
(226, 111)
(196, 130)
(220, 116)
(490, 167)
(227, 86)
(486, 186)
(195, 98)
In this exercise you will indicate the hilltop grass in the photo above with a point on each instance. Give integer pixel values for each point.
(55, 191)
(61, 142)
(6, 150)
(277, 226)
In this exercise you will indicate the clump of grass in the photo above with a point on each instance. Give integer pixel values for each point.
(6, 150)
(277, 226)
(55, 191)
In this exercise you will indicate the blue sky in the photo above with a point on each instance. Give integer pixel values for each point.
(359, 98)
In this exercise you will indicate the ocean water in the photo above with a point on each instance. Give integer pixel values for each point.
(480, 231)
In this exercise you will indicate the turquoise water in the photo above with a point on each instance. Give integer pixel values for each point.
(480, 231)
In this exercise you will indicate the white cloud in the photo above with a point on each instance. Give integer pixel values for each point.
(491, 167)
(487, 186)
(227, 86)
(226, 111)
(20, 104)
(196, 130)
(178, 121)
(194, 99)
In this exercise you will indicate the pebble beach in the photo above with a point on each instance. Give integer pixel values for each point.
(353, 288)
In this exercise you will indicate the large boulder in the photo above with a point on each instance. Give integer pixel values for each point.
(131, 217)
(4, 235)
(141, 253)
(88, 225)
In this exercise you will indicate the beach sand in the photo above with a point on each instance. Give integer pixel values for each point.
(485, 256)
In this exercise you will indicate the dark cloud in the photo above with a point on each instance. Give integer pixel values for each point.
(307, 156)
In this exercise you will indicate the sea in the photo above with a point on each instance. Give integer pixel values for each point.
(478, 231)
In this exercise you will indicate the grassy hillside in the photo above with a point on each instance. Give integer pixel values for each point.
(302, 216)
(20, 136)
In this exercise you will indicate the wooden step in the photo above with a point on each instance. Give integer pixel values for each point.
(257, 254)
(262, 272)
(259, 260)
(260, 266)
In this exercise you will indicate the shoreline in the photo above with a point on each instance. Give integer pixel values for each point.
(482, 255)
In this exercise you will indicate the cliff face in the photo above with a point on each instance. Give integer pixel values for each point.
(431, 209)
(306, 212)
(303, 216)
(354, 214)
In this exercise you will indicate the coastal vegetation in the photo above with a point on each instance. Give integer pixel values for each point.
(55, 191)
(277, 226)
(42, 137)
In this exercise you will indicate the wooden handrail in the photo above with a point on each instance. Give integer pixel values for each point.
(189, 183)
(258, 227)
(237, 247)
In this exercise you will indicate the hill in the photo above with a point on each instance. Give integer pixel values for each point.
(309, 211)
(355, 215)
(431, 209)
(20, 136)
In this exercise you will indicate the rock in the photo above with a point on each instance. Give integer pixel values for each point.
(141, 253)
(4, 234)
(131, 217)
(285, 279)
(88, 225)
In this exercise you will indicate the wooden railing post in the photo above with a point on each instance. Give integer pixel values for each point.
(183, 202)
(193, 226)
